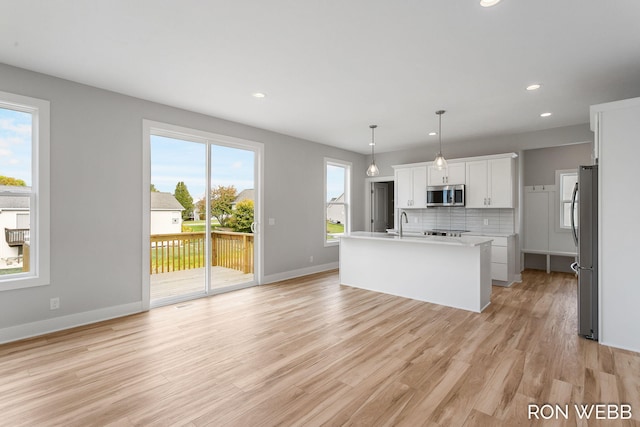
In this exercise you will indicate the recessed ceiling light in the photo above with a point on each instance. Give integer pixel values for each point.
(258, 95)
(545, 114)
(489, 3)
(534, 86)
(433, 133)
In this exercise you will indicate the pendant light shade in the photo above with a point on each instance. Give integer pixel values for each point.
(440, 162)
(373, 169)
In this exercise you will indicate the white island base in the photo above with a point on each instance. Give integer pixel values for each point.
(455, 272)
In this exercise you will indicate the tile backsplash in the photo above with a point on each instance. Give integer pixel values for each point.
(458, 218)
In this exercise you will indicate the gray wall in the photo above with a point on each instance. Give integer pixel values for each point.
(96, 193)
(497, 145)
(540, 165)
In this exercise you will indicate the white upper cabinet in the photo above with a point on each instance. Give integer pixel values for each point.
(500, 183)
(476, 185)
(489, 183)
(411, 187)
(453, 174)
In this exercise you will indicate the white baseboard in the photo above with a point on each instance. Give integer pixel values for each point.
(271, 278)
(624, 346)
(41, 327)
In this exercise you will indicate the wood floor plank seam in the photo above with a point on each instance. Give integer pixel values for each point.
(310, 352)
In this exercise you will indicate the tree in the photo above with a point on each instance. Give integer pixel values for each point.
(182, 195)
(153, 189)
(222, 198)
(7, 180)
(242, 216)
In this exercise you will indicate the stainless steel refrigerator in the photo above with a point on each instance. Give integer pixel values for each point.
(585, 234)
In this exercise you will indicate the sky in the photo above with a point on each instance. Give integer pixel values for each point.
(174, 160)
(335, 181)
(15, 144)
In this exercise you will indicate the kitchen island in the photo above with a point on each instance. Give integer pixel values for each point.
(451, 271)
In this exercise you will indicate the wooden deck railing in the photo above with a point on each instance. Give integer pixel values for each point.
(184, 251)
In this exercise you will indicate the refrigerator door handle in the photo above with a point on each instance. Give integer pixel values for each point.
(574, 231)
(575, 267)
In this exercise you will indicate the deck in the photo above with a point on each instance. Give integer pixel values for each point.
(164, 285)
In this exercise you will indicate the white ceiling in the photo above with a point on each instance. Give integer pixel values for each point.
(332, 67)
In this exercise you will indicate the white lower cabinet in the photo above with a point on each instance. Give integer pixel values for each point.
(503, 259)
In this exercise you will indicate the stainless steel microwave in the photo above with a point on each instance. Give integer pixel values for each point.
(445, 195)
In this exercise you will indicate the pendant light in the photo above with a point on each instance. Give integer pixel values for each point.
(373, 169)
(440, 162)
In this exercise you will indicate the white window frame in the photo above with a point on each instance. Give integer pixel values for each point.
(39, 235)
(347, 198)
(561, 201)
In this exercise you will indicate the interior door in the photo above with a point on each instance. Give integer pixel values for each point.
(380, 206)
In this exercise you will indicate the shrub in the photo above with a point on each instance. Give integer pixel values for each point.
(242, 217)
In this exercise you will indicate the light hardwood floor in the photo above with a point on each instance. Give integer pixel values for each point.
(312, 352)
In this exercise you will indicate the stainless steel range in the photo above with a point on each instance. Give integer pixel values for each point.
(446, 233)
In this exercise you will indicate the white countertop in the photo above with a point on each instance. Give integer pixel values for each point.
(430, 240)
(478, 233)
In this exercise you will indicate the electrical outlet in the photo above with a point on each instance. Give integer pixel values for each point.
(311, 258)
(54, 303)
(486, 221)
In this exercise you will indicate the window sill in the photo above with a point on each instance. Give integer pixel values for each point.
(22, 283)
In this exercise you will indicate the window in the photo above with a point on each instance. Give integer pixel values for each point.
(337, 200)
(566, 181)
(24, 191)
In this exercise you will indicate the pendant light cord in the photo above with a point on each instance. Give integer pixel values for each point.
(440, 113)
(373, 144)
(440, 131)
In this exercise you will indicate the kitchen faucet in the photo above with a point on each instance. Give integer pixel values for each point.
(403, 214)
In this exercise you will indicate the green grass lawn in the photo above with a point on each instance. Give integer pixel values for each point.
(10, 270)
(197, 226)
(334, 229)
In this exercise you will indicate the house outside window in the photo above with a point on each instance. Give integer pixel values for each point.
(337, 200)
(566, 181)
(24, 191)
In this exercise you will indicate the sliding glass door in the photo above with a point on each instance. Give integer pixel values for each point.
(232, 211)
(203, 210)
